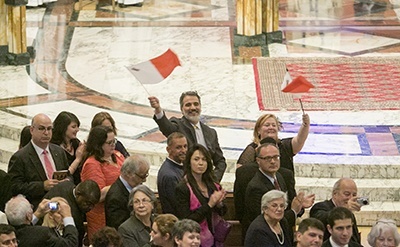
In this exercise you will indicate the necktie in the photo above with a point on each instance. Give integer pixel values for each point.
(199, 136)
(47, 163)
(276, 184)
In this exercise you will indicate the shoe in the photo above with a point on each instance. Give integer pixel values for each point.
(121, 5)
(137, 5)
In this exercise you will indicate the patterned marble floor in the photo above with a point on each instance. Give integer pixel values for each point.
(81, 57)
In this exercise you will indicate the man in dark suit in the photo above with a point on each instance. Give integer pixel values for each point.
(134, 171)
(81, 199)
(190, 125)
(5, 189)
(268, 178)
(20, 215)
(344, 194)
(340, 228)
(31, 168)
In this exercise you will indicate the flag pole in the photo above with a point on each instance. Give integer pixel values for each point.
(301, 104)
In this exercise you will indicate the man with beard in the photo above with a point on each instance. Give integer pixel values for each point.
(190, 125)
(171, 172)
(31, 168)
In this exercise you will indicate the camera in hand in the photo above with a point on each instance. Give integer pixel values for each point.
(363, 201)
(53, 206)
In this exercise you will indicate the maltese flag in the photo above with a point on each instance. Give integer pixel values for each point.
(157, 69)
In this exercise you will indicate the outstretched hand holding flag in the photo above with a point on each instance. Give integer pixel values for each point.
(157, 69)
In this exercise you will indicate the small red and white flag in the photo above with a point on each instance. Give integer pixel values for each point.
(157, 69)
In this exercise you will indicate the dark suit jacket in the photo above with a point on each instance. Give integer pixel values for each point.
(210, 136)
(27, 172)
(321, 211)
(116, 204)
(257, 187)
(5, 189)
(244, 174)
(65, 190)
(327, 243)
(30, 236)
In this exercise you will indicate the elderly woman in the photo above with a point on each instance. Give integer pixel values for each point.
(161, 231)
(268, 125)
(198, 195)
(102, 165)
(270, 228)
(105, 119)
(135, 231)
(186, 233)
(384, 234)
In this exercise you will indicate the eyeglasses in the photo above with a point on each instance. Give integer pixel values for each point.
(276, 206)
(143, 177)
(144, 201)
(270, 158)
(43, 128)
(111, 142)
(10, 241)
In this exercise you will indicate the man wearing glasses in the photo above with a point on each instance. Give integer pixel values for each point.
(7, 236)
(31, 168)
(134, 171)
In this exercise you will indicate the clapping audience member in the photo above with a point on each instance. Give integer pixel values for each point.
(135, 231)
(7, 236)
(102, 165)
(384, 234)
(25, 136)
(134, 171)
(310, 233)
(106, 237)
(31, 168)
(65, 128)
(20, 215)
(268, 125)
(190, 125)
(198, 195)
(161, 231)
(270, 228)
(186, 233)
(105, 119)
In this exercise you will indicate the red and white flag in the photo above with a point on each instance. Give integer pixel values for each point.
(157, 69)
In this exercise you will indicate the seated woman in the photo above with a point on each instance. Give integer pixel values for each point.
(270, 228)
(268, 125)
(186, 233)
(135, 231)
(102, 165)
(384, 234)
(198, 195)
(161, 231)
(105, 119)
(65, 127)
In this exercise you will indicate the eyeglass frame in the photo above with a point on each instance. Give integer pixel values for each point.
(111, 142)
(142, 177)
(270, 158)
(43, 129)
(143, 202)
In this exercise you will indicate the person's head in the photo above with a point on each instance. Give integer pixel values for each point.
(135, 170)
(105, 119)
(343, 190)
(190, 106)
(87, 195)
(310, 233)
(177, 147)
(25, 136)
(340, 223)
(7, 236)
(186, 233)
(101, 142)
(384, 234)
(143, 200)
(268, 158)
(161, 230)
(107, 237)
(65, 127)
(18, 211)
(267, 125)
(273, 204)
(41, 130)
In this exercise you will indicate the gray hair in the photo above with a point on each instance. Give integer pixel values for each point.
(145, 190)
(17, 209)
(271, 195)
(132, 164)
(381, 226)
(185, 225)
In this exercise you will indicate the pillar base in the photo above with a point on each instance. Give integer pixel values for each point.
(261, 40)
(18, 59)
(3, 54)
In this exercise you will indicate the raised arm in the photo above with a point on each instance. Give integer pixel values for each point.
(301, 137)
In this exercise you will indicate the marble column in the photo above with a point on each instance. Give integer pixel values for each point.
(3, 32)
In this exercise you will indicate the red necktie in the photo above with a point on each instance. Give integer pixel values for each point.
(276, 184)
(47, 163)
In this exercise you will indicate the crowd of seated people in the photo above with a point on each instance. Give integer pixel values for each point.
(69, 182)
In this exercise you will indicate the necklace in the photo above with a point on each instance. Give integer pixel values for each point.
(279, 237)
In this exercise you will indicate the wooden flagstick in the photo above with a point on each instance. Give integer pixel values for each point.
(301, 104)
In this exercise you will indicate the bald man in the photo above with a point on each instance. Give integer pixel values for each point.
(31, 168)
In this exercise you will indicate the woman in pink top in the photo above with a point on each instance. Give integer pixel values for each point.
(103, 165)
